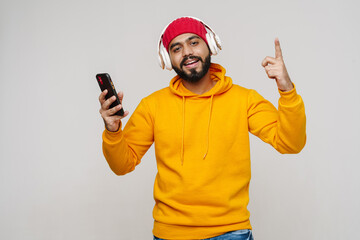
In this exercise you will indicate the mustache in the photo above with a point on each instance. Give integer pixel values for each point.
(189, 57)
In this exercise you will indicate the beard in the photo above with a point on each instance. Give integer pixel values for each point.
(194, 76)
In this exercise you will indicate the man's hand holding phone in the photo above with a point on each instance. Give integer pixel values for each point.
(112, 122)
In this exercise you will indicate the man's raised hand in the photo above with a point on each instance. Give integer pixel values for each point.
(275, 69)
(112, 122)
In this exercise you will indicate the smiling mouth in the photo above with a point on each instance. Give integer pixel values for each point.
(190, 62)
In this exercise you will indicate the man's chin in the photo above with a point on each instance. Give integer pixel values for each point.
(195, 74)
(191, 71)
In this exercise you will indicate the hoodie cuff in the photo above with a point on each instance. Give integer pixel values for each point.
(112, 136)
(289, 96)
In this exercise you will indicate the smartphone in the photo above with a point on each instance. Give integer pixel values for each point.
(105, 82)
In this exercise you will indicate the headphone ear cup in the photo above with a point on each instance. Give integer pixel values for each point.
(212, 43)
(166, 58)
(217, 41)
(161, 61)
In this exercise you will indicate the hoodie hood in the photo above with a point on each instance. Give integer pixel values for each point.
(217, 73)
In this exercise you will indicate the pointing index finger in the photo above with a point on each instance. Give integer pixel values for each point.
(278, 53)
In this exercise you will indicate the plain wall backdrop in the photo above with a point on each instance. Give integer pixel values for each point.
(54, 180)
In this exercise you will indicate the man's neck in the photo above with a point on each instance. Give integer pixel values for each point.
(202, 86)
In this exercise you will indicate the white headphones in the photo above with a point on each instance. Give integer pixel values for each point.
(211, 37)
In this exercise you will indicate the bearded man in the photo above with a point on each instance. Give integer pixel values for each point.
(200, 125)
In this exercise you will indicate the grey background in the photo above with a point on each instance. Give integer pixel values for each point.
(54, 180)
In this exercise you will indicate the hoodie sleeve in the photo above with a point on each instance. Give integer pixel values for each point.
(124, 149)
(285, 128)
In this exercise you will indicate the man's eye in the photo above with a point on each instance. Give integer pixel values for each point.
(176, 49)
(194, 43)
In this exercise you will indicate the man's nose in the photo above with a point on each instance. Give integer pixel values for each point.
(187, 51)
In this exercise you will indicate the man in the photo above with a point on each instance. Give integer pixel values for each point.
(200, 125)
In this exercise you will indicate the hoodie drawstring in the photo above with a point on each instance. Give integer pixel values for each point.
(223, 84)
(183, 131)
(208, 129)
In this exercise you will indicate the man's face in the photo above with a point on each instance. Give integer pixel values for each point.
(190, 57)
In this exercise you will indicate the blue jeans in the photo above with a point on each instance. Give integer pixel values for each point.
(245, 234)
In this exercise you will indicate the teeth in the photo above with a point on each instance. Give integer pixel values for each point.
(191, 62)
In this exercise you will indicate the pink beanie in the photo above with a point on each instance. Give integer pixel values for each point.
(180, 26)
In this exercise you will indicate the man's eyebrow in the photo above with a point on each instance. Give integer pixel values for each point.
(177, 43)
(173, 45)
(192, 37)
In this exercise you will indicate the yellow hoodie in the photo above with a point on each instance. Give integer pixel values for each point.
(202, 151)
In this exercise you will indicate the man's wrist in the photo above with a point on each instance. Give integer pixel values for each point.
(286, 87)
